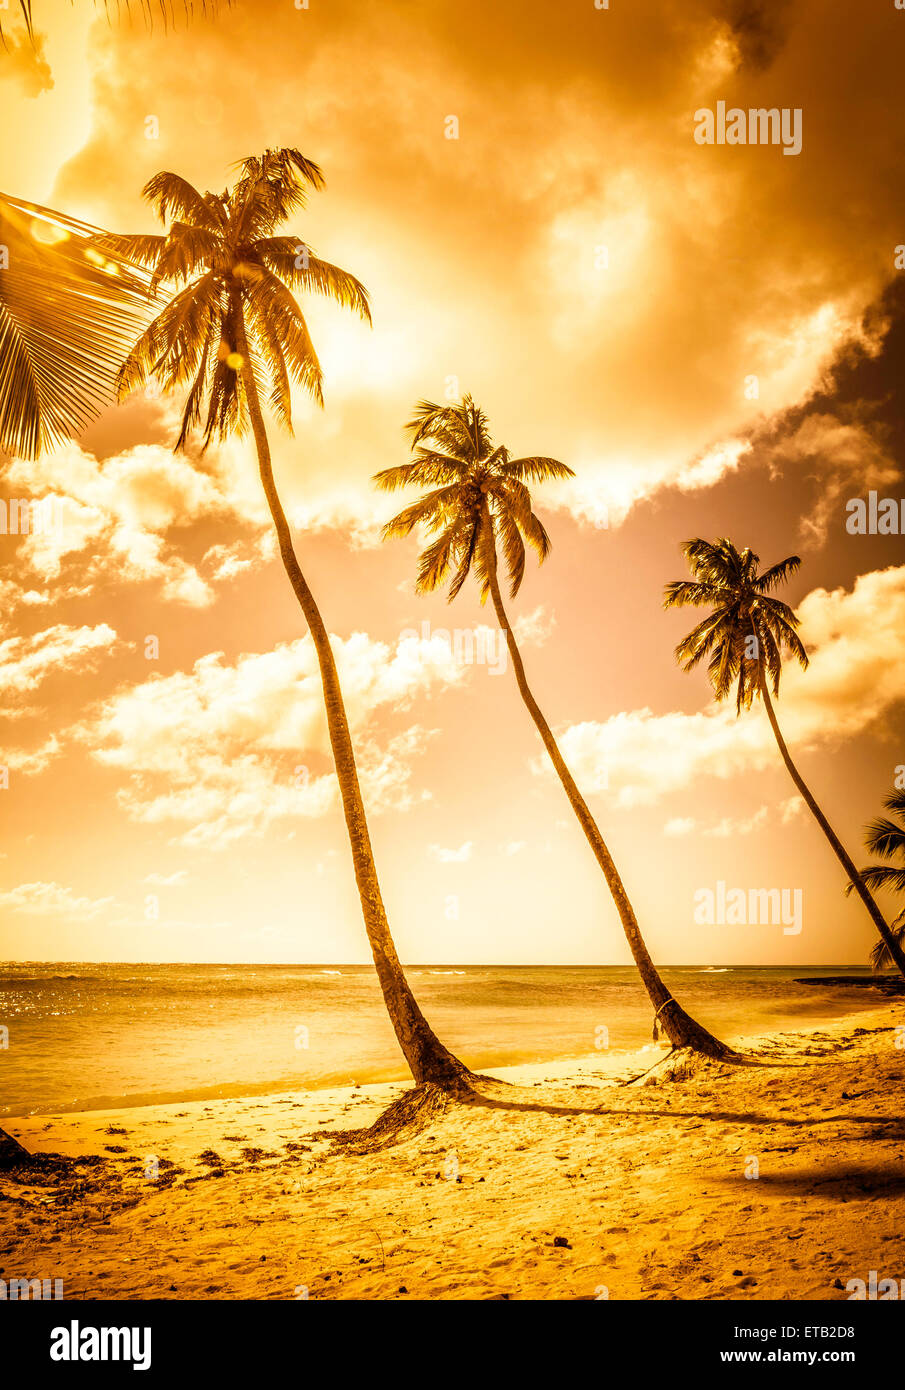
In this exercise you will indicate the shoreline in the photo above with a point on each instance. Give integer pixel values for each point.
(556, 1183)
(873, 991)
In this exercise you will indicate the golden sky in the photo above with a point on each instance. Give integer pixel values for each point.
(606, 287)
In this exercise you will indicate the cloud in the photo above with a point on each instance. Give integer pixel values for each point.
(32, 761)
(855, 678)
(26, 662)
(451, 856)
(167, 880)
(534, 628)
(53, 900)
(679, 825)
(125, 518)
(847, 458)
(228, 748)
(645, 349)
(730, 826)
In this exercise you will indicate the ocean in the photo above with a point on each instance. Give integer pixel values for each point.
(88, 1036)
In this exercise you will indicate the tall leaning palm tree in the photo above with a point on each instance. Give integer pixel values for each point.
(478, 500)
(744, 638)
(233, 329)
(886, 838)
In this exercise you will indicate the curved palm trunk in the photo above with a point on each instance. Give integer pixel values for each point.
(857, 882)
(681, 1029)
(428, 1059)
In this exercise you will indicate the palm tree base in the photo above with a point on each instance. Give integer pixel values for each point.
(413, 1112)
(684, 1032)
(431, 1063)
(12, 1154)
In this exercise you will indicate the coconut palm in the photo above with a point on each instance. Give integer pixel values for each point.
(232, 330)
(744, 638)
(886, 838)
(68, 313)
(477, 500)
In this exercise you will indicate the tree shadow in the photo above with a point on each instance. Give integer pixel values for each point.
(840, 1183)
(507, 1102)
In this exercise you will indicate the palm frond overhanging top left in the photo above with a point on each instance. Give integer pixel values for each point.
(69, 311)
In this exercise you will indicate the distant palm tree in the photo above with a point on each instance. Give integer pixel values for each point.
(744, 637)
(478, 498)
(233, 328)
(887, 839)
(68, 313)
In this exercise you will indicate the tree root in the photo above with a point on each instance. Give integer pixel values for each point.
(12, 1154)
(681, 1064)
(412, 1113)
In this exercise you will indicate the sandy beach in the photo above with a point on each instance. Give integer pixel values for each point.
(779, 1178)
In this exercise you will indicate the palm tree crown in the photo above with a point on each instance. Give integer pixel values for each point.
(237, 282)
(729, 581)
(468, 478)
(886, 838)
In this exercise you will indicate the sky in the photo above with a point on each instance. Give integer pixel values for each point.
(710, 335)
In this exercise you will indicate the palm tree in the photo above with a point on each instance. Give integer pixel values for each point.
(744, 637)
(477, 499)
(68, 312)
(886, 838)
(232, 329)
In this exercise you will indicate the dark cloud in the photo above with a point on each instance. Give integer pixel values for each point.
(759, 28)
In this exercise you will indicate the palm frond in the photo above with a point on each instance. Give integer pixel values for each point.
(881, 876)
(296, 266)
(166, 8)
(172, 195)
(441, 555)
(428, 469)
(68, 312)
(513, 548)
(777, 574)
(427, 511)
(881, 957)
(536, 470)
(885, 838)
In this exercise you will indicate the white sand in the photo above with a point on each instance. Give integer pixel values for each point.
(646, 1183)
